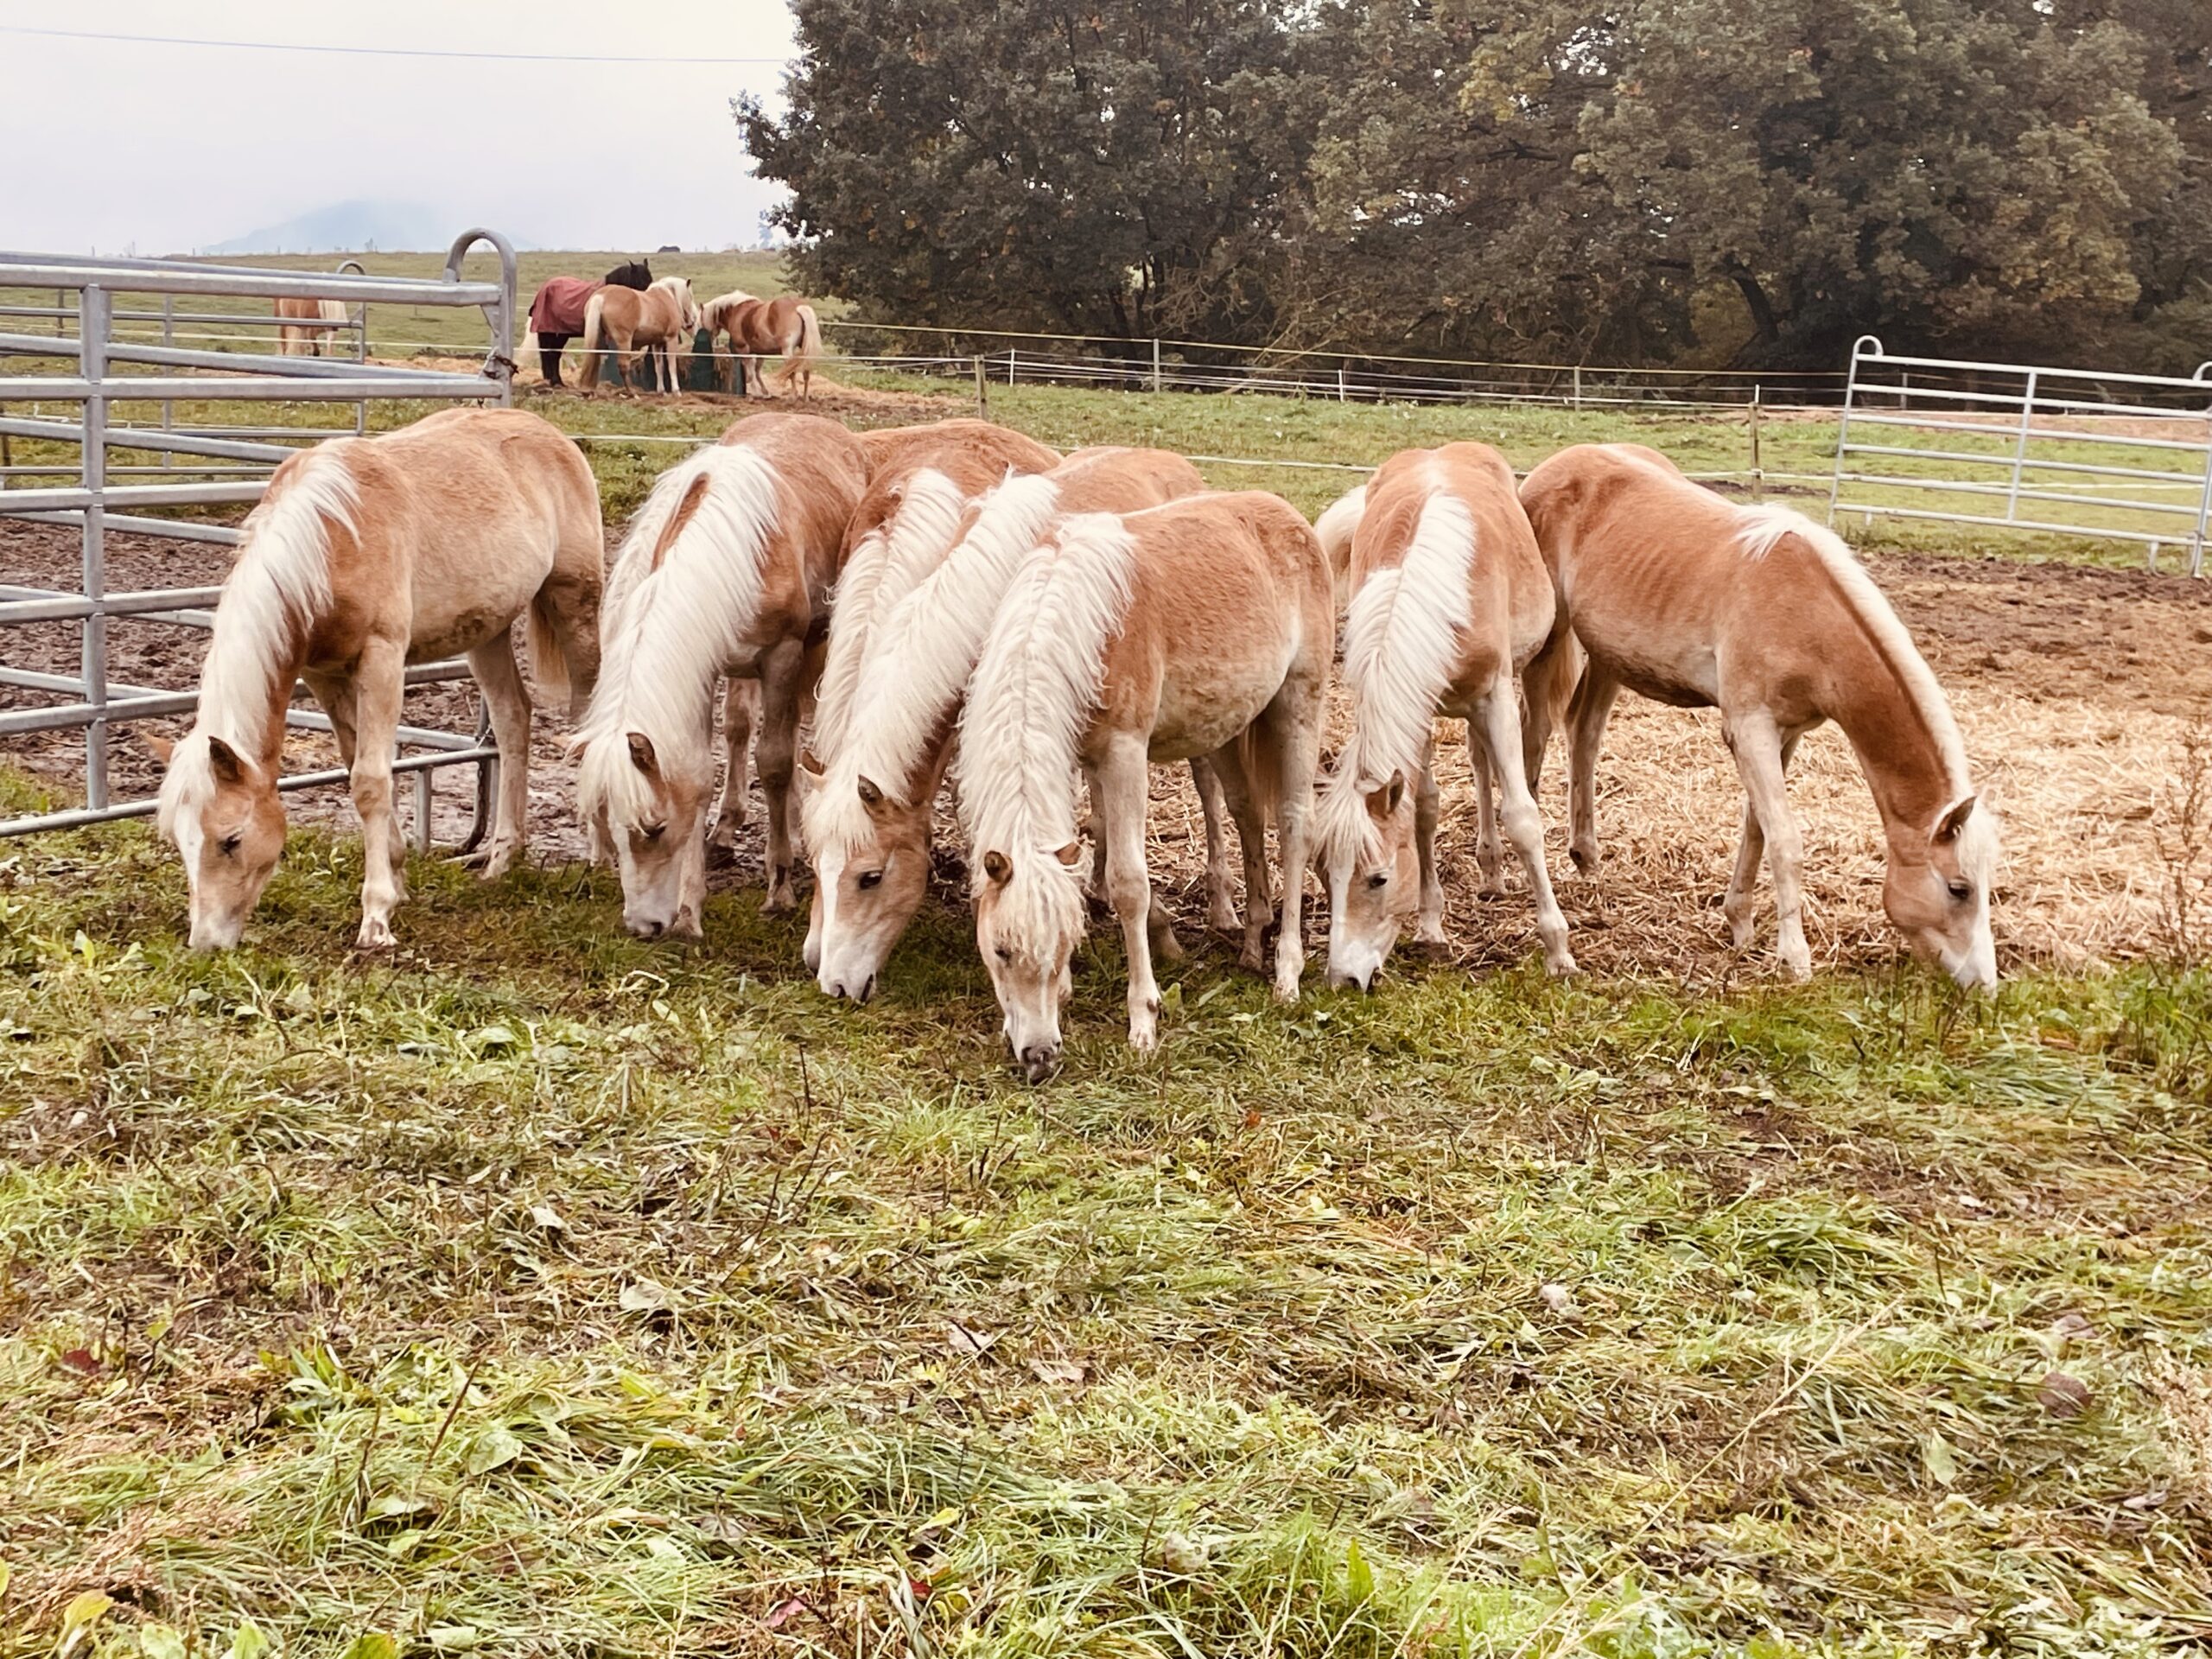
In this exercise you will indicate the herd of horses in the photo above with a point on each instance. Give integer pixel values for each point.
(894, 611)
(654, 324)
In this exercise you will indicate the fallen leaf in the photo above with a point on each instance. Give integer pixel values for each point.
(80, 1361)
(494, 1448)
(548, 1217)
(1558, 1298)
(645, 1296)
(160, 1641)
(1059, 1370)
(784, 1611)
(78, 1619)
(373, 1645)
(961, 1340)
(2064, 1396)
(247, 1642)
(1941, 1463)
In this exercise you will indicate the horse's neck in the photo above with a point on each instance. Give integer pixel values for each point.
(1911, 776)
(254, 659)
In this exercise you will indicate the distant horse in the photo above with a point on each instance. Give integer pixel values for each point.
(727, 571)
(1201, 627)
(632, 320)
(755, 328)
(308, 328)
(364, 555)
(1681, 594)
(1448, 598)
(867, 818)
(557, 311)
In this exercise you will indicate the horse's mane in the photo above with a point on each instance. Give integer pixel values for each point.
(1401, 641)
(890, 560)
(685, 585)
(924, 651)
(1034, 688)
(279, 585)
(1760, 529)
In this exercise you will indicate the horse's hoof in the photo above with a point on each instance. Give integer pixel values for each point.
(375, 935)
(1585, 858)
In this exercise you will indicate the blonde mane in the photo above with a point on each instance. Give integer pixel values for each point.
(1761, 529)
(1402, 643)
(670, 625)
(1034, 688)
(891, 560)
(279, 585)
(925, 649)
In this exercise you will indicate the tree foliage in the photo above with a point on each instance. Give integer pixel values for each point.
(1651, 179)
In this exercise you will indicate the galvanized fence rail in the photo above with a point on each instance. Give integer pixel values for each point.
(2016, 447)
(95, 502)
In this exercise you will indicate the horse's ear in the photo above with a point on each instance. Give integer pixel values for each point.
(809, 765)
(229, 769)
(1070, 854)
(1953, 823)
(1381, 802)
(164, 748)
(642, 756)
(871, 796)
(998, 867)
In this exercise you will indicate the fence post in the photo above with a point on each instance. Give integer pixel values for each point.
(1578, 387)
(1155, 362)
(93, 309)
(2020, 447)
(2198, 531)
(1343, 392)
(1012, 352)
(168, 337)
(982, 391)
(1758, 473)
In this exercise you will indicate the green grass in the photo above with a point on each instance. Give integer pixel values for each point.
(539, 1291)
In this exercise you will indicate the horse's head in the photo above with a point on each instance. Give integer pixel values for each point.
(636, 274)
(643, 813)
(221, 811)
(1937, 892)
(871, 869)
(1370, 865)
(1029, 919)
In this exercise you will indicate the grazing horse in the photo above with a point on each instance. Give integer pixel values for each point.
(867, 818)
(1200, 628)
(557, 311)
(309, 327)
(727, 570)
(1677, 594)
(633, 321)
(366, 555)
(784, 326)
(1448, 600)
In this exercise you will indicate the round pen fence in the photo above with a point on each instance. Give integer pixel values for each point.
(207, 422)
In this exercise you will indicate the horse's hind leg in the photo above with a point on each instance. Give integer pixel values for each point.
(1486, 850)
(1524, 827)
(1593, 705)
(1252, 841)
(1220, 902)
(741, 714)
(1757, 746)
(508, 701)
(1293, 723)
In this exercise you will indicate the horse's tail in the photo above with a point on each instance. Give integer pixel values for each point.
(587, 376)
(1336, 528)
(549, 658)
(800, 359)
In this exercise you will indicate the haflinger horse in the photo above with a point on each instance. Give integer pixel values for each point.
(785, 326)
(1677, 594)
(1201, 627)
(309, 327)
(726, 571)
(1448, 599)
(632, 321)
(366, 555)
(868, 815)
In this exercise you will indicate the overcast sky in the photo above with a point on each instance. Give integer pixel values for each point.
(167, 148)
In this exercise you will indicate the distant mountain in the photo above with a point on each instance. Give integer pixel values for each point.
(352, 226)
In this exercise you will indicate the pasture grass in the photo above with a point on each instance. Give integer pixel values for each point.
(536, 1291)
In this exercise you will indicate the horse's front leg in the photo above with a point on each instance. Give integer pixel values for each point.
(783, 669)
(379, 686)
(335, 694)
(1119, 798)
(1427, 808)
(1757, 744)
